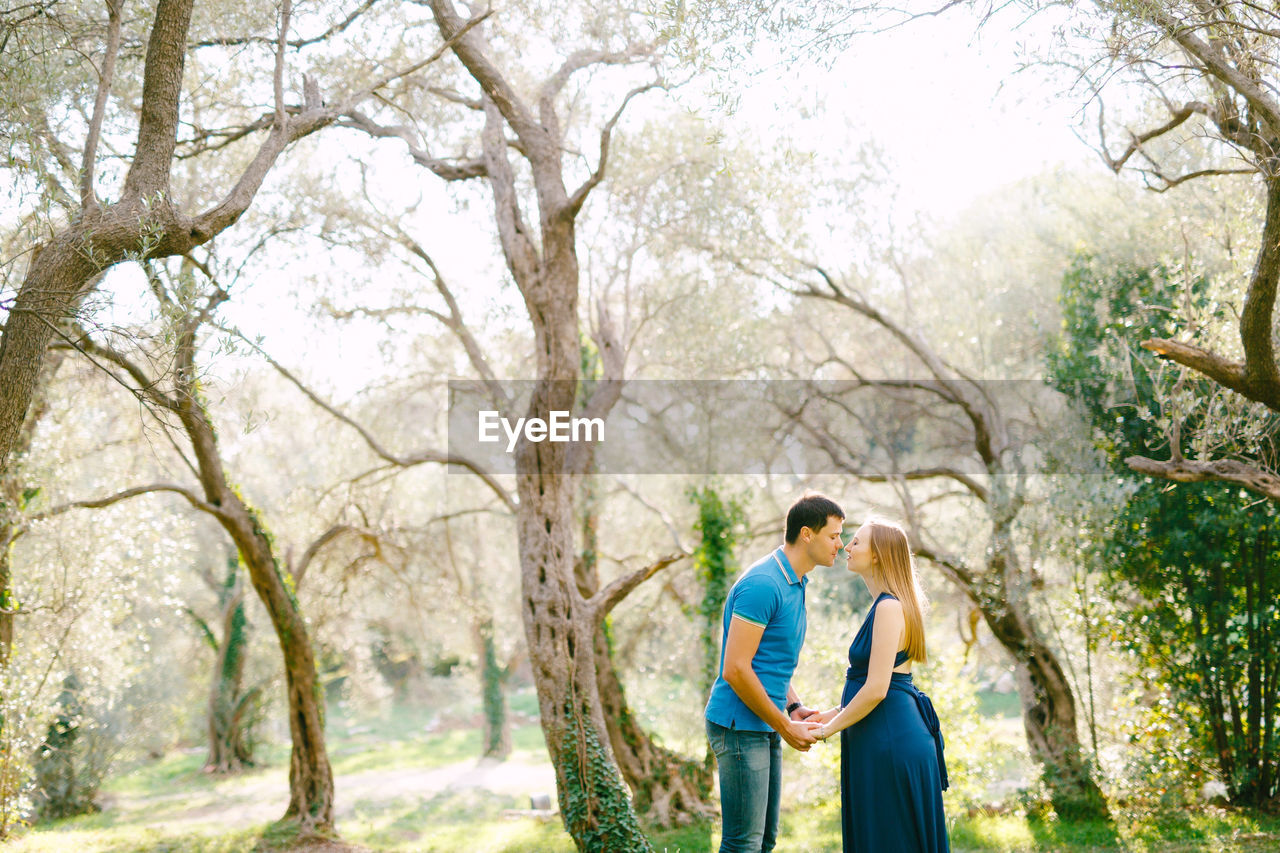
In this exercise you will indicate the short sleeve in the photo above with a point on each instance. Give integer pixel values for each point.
(756, 600)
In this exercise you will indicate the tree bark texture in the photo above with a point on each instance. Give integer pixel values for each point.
(667, 788)
(560, 624)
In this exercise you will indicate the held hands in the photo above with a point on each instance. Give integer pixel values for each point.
(803, 713)
(799, 734)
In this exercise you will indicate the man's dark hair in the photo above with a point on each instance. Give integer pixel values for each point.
(812, 511)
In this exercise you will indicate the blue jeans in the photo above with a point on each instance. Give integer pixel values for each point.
(750, 787)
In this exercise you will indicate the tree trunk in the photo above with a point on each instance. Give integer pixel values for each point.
(560, 625)
(666, 787)
(230, 709)
(310, 776)
(13, 498)
(493, 693)
(560, 629)
(1048, 703)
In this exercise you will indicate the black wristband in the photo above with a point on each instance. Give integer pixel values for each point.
(792, 707)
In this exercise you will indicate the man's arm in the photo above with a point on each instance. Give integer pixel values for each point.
(793, 698)
(739, 648)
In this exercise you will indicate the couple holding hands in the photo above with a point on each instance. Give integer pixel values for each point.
(892, 773)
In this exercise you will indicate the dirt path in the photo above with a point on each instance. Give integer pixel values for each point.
(238, 803)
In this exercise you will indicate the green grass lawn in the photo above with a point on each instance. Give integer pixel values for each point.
(473, 821)
(170, 805)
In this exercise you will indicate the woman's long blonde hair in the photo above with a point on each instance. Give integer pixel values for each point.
(894, 568)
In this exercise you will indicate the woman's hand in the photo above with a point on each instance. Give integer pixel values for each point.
(825, 716)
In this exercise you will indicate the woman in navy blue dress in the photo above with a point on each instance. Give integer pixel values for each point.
(891, 770)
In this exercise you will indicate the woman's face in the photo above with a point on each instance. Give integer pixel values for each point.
(859, 550)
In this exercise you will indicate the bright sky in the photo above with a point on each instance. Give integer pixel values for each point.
(937, 96)
(943, 101)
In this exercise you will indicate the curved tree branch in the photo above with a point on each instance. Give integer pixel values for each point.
(1251, 477)
(400, 461)
(579, 196)
(97, 503)
(617, 589)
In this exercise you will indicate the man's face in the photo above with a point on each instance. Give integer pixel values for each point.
(824, 545)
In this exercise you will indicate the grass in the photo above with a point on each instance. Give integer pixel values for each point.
(1169, 831)
(993, 704)
(171, 805)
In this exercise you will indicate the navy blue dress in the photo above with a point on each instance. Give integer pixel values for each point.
(891, 769)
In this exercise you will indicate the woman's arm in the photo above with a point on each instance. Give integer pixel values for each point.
(886, 635)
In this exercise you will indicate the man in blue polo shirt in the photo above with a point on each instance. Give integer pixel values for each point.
(753, 707)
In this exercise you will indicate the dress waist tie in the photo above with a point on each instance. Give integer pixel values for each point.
(923, 702)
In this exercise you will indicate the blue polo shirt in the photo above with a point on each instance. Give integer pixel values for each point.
(770, 595)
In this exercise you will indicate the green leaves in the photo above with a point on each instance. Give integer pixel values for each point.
(1194, 563)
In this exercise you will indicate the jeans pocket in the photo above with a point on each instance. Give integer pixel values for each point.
(716, 738)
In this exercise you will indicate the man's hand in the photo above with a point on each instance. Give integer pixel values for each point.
(803, 713)
(799, 734)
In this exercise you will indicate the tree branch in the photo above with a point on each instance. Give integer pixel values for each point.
(951, 567)
(281, 119)
(1136, 141)
(1255, 479)
(579, 195)
(418, 458)
(313, 117)
(1229, 374)
(98, 503)
(577, 61)
(454, 321)
(148, 175)
(1217, 65)
(296, 43)
(990, 439)
(88, 199)
(148, 387)
(617, 589)
(448, 170)
(513, 232)
(535, 138)
(299, 570)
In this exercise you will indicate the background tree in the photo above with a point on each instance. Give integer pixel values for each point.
(720, 521)
(1207, 68)
(1194, 566)
(232, 709)
(185, 309)
(88, 236)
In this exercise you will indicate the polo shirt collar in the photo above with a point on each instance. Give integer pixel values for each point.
(787, 571)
